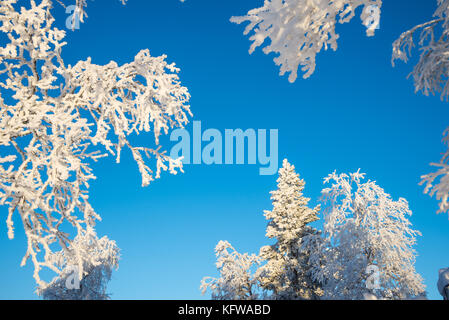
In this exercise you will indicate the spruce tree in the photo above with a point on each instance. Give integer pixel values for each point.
(286, 271)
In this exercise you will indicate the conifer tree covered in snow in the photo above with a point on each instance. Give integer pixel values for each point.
(365, 227)
(282, 270)
(430, 76)
(57, 119)
(297, 30)
(286, 272)
(237, 275)
(96, 257)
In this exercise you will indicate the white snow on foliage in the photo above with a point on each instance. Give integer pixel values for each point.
(57, 119)
(286, 271)
(430, 76)
(364, 226)
(430, 73)
(96, 257)
(237, 281)
(297, 30)
(281, 270)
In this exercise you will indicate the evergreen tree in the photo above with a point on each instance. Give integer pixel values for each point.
(286, 272)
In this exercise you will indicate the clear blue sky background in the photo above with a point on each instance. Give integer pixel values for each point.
(356, 111)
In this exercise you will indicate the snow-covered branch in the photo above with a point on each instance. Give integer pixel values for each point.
(430, 74)
(237, 280)
(437, 183)
(57, 119)
(299, 29)
(86, 267)
(364, 230)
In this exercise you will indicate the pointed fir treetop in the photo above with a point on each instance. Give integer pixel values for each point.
(290, 211)
(285, 273)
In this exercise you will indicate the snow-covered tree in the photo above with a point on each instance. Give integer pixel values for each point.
(237, 279)
(57, 119)
(96, 257)
(299, 29)
(366, 234)
(430, 76)
(282, 270)
(286, 272)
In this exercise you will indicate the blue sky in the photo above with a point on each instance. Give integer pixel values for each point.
(356, 111)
